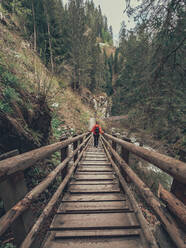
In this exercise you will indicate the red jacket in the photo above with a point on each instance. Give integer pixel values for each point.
(94, 127)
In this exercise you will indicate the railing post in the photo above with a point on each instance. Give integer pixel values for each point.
(75, 145)
(80, 142)
(125, 156)
(64, 155)
(114, 145)
(177, 188)
(13, 190)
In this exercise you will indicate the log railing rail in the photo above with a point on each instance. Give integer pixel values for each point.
(175, 168)
(21, 162)
(10, 168)
(147, 233)
(12, 180)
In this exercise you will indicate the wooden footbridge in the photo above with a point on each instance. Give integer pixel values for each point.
(96, 207)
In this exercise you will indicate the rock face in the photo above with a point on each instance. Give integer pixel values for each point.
(102, 105)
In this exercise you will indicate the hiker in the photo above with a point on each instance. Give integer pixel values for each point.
(96, 130)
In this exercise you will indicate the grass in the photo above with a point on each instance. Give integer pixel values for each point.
(70, 115)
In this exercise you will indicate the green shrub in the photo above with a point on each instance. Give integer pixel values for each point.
(7, 245)
(57, 130)
(5, 107)
(10, 94)
(8, 78)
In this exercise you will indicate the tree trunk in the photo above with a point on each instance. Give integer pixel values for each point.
(35, 34)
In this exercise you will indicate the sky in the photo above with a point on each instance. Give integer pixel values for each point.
(113, 9)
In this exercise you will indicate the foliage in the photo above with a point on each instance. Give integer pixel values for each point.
(9, 89)
(57, 130)
(66, 35)
(8, 245)
(151, 75)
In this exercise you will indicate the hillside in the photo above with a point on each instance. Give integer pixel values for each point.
(33, 103)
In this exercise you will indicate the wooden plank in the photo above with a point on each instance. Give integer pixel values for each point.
(94, 188)
(92, 155)
(94, 197)
(92, 182)
(94, 221)
(107, 205)
(93, 169)
(94, 173)
(95, 163)
(97, 233)
(97, 154)
(94, 177)
(95, 243)
(92, 158)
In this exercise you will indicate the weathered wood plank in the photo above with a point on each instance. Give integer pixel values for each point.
(94, 197)
(86, 182)
(94, 177)
(92, 155)
(97, 233)
(95, 154)
(94, 173)
(94, 188)
(95, 163)
(93, 221)
(94, 168)
(70, 206)
(95, 243)
(97, 160)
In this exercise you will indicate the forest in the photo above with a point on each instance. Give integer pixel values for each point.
(67, 38)
(145, 76)
(58, 62)
(150, 64)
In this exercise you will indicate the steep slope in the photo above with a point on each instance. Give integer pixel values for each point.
(31, 99)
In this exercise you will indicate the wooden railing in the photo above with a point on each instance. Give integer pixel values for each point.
(173, 167)
(14, 193)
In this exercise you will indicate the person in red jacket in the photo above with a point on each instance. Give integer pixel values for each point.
(96, 130)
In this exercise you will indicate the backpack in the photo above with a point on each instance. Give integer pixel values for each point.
(96, 131)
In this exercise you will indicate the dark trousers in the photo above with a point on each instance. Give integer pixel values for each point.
(96, 140)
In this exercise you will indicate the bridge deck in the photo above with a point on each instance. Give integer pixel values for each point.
(94, 212)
